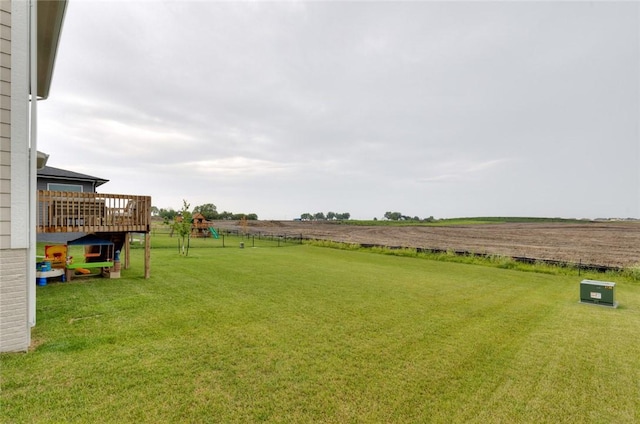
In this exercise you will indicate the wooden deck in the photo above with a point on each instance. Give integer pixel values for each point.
(61, 211)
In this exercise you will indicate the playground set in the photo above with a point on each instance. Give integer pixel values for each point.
(200, 227)
(98, 255)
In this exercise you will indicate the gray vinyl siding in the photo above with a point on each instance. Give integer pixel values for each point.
(43, 184)
(59, 238)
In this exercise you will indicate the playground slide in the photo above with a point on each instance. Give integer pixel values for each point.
(213, 232)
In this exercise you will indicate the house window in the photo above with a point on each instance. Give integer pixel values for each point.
(64, 187)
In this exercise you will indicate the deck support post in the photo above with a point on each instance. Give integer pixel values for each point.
(127, 250)
(147, 254)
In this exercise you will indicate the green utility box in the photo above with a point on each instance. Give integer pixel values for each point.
(598, 293)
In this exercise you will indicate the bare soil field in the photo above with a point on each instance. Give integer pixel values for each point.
(613, 244)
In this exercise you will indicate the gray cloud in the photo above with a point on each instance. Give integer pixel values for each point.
(431, 108)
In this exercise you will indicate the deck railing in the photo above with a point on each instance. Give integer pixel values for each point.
(63, 211)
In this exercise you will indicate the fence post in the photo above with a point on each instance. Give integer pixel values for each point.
(579, 266)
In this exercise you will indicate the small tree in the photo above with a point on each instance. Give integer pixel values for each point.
(167, 215)
(225, 215)
(393, 216)
(208, 210)
(244, 225)
(182, 226)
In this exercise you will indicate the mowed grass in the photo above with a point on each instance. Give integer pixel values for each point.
(309, 334)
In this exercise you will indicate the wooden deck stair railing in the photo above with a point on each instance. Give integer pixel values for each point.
(60, 211)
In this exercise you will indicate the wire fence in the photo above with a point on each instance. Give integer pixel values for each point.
(164, 237)
(240, 238)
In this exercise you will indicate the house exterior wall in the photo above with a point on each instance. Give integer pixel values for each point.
(60, 238)
(5, 125)
(87, 186)
(15, 328)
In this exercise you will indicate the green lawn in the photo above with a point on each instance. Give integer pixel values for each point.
(309, 334)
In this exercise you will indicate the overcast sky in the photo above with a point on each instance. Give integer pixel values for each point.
(444, 109)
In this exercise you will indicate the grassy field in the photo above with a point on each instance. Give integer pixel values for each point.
(464, 221)
(310, 334)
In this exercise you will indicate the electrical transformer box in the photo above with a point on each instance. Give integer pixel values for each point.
(598, 293)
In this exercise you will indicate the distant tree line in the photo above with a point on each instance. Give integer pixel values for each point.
(208, 210)
(320, 216)
(397, 216)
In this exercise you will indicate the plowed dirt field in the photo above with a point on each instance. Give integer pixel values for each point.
(614, 244)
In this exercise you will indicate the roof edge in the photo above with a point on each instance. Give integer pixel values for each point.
(50, 19)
